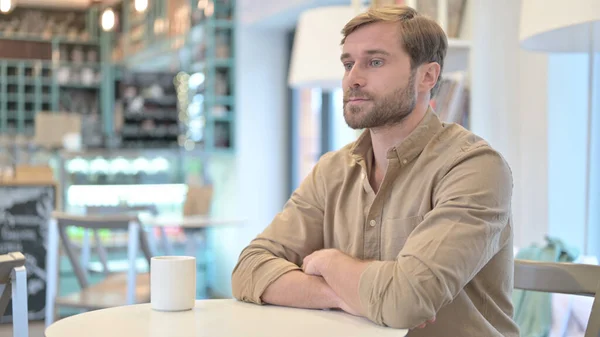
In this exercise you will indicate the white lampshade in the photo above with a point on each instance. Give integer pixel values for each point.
(559, 25)
(315, 61)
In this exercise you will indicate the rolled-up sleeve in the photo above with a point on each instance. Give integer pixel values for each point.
(293, 234)
(469, 223)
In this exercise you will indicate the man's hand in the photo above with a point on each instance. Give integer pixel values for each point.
(431, 321)
(342, 273)
(319, 261)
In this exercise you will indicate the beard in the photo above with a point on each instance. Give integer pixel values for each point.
(388, 110)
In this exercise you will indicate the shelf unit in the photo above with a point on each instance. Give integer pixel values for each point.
(150, 110)
(84, 65)
(452, 16)
(212, 58)
(194, 38)
(30, 86)
(27, 87)
(452, 101)
(49, 61)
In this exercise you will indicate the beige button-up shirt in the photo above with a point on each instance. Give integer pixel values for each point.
(439, 228)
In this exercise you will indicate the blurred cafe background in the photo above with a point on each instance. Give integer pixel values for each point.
(200, 117)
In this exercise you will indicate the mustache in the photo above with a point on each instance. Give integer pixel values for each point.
(355, 93)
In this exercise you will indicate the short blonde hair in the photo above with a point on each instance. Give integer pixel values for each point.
(421, 37)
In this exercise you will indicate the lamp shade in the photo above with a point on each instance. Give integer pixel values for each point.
(315, 61)
(559, 25)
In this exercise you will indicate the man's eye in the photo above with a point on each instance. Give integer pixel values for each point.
(348, 66)
(376, 63)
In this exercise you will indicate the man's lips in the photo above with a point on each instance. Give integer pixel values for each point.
(357, 99)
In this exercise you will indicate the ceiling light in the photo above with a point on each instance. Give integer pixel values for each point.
(107, 21)
(6, 6)
(141, 5)
(209, 10)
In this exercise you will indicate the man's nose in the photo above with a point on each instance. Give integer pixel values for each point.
(355, 78)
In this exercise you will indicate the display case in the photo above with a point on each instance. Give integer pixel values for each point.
(123, 178)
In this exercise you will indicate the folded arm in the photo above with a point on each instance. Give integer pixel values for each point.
(269, 270)
(467, 226)
(297, 289)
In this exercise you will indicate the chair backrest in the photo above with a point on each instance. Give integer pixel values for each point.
(13, 285)
(105, 210)
(109, 221)
(94, 222)
(565, 278)
(8, 263)
(121, 210)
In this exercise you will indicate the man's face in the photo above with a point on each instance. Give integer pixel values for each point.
(379, 86)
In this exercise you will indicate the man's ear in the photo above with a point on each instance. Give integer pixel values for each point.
(429, 74)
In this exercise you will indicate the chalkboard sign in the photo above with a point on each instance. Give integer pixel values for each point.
(24, 214)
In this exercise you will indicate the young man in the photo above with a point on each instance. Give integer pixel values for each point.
(411, 222)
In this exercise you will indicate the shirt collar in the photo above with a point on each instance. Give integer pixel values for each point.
(409, 148)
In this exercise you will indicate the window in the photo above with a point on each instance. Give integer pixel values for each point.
(341, 133)
(309, 110)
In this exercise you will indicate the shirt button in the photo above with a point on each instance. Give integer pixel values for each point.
(372, 223)
(404, 161)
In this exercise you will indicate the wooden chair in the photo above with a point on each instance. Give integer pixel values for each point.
(564, 278)
(100, 250)
(13, 284)
(116, 289)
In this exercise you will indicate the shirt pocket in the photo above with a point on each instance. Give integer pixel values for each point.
(394, 233)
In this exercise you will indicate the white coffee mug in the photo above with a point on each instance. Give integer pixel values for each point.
(173, 283)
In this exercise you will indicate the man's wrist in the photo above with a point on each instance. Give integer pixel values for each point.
(332, 300)
(342, 273)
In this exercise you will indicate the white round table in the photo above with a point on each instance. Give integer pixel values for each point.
(217, 318)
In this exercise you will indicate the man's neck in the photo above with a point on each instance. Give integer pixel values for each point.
(386, 137)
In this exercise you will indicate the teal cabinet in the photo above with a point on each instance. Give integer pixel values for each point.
(49, 61)
(212, 69)
(198, 43)
(76, 67)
